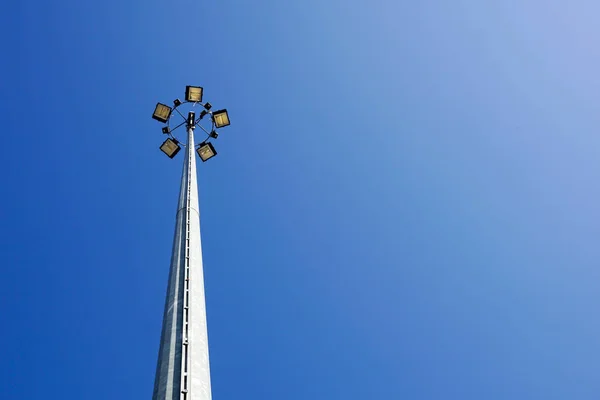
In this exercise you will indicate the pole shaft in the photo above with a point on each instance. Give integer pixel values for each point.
(183, 371)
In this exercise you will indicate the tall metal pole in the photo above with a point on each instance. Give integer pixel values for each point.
(183, 372)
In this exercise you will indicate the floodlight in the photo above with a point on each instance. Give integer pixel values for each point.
(162, 112)
(202, 114)
(177, 102)
(193, 93)
(206, 151)
(214, 134)
(170, 147)
(221, 118)
(165, 129)
(208, 106)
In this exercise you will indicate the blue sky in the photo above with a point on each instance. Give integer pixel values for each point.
(405, 205)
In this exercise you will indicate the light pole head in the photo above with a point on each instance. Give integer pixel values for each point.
(193, 97)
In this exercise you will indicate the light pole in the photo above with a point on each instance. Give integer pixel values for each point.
(183, 371)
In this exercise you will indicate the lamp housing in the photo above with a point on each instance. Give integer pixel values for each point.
(221, 118)
(170, 147)
(162, 112)
(206, 151)
(193, 94)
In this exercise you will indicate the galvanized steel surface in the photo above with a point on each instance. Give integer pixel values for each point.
(183, 371)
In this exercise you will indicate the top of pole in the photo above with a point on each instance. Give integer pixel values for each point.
(218, 119)
(191, 121)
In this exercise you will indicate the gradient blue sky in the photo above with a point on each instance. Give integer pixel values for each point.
(406, 205)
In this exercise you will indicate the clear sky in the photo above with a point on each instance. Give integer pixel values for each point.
(406, 205)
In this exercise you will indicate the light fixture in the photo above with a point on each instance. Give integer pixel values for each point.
(221, 118)
(208, 106)
(193, 93)
(191, 118)
(162, 112)
(165, 129)
(170, 147)
(206, 151)
(177, 102)
(214, 134)
(203, 113)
